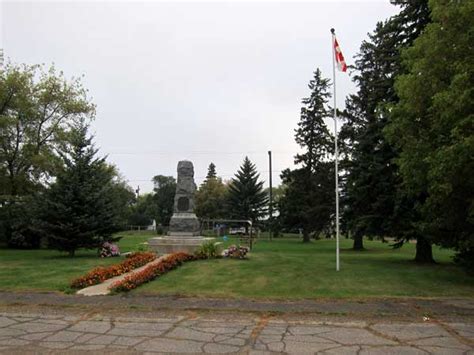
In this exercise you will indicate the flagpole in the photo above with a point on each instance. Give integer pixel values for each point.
(2, 58)
(336, 151)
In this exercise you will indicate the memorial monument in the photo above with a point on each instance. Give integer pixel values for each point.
(183, 234)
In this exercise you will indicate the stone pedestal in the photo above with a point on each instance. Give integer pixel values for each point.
(183, 235)
(184, 223)
(170, 244)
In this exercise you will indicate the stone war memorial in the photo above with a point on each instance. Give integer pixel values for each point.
(183, 234)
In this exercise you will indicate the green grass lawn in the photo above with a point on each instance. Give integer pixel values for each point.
(282, 269)
(49, 270)
(289, 269)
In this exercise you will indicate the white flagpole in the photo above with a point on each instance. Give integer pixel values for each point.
(1, 40)
(336, 152)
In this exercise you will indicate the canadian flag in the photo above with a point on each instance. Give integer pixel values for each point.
(340, 62)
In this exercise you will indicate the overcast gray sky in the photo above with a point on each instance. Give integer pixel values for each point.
(204, 81)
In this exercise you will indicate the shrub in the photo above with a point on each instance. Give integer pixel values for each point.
(208, 250)
(100, 274)
(151, 272)
(20, 227)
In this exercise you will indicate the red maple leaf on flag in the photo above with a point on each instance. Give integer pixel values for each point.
(341, 63)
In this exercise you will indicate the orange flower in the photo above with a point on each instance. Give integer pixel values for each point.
(151, 272)
(100, 274)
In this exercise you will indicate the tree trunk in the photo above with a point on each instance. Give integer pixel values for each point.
(424, 252)
(72, 253)
(306, 238)
(13, 187)
(358, 242)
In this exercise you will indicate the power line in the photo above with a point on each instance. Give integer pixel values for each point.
(203, 177)
(194, 152)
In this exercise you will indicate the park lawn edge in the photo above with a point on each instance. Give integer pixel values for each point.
(302, 299)
(361, 299)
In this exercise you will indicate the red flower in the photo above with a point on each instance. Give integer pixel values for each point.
(151, 272)
(100, 274)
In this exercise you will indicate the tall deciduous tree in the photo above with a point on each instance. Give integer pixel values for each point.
(123, 196)
(308, 202)
(211, 196)
(433, 127)
(36, 116)
(37, 109)
(80, 210)
(246, 197)
(143, 211)
(164, 191)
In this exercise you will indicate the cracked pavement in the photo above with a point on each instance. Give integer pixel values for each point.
(77, 331)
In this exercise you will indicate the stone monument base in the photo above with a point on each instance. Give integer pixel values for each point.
(185, 224)
(176, 243)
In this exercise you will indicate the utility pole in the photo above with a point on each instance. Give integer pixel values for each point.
(137, 191)
(271, 194)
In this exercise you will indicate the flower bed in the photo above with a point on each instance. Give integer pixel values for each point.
(151, 272)
(236, 252)
(101, 273)
(109, 250)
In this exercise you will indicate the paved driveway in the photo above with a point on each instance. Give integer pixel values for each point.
(68, 331)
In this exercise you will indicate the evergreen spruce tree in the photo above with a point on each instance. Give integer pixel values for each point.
(309, 200)
(211, 172)
(312, 134)
(79, 210)
(246, 196)
(372, 196)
